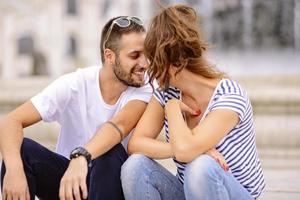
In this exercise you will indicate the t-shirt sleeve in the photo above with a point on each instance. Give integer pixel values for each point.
(159, 95)
(236, 103)
(143, 93)
(52, 101)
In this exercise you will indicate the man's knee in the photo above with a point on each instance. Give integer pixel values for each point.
(29, 148)
(28, 144)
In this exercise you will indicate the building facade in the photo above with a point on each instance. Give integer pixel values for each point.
(39, 37)
(54, 37)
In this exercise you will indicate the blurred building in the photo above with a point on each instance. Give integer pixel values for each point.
(40, 37)
(250, 23)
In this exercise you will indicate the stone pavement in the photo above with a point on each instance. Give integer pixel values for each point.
(282, 173)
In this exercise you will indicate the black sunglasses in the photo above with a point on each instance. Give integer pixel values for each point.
(122, 22)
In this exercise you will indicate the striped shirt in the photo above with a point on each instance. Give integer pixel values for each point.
(238, 146)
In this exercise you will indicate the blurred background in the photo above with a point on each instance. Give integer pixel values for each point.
(256, 42)
(40, 37)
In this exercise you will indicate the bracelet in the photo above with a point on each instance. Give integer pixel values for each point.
(117, 128)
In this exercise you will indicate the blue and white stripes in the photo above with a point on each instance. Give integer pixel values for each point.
(238, 147)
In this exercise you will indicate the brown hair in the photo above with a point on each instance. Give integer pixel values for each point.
(113, 40)
(174, 38)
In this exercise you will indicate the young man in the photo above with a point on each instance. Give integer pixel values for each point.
(96, 109)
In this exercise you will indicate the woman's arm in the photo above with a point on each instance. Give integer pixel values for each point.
(188, 144)
(143, 140)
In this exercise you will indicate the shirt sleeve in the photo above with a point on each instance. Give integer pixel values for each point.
(159, 95)
(143, 93)
(52, 101)
(236, 103)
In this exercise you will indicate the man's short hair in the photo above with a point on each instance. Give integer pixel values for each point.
(113, 40)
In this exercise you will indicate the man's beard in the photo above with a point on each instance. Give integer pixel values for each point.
(124, 77)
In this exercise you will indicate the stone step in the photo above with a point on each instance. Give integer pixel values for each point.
(275, 99)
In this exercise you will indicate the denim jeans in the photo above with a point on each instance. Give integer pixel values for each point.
(143, 178)
(44, 170)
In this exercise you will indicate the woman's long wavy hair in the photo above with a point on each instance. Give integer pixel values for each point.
(174, 38)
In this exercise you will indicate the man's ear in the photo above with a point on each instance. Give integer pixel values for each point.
(109, 56)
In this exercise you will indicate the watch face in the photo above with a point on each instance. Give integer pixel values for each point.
(80, 151)
(74, 153)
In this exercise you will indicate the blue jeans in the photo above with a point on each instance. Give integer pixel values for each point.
(44, 170)
(143, 178)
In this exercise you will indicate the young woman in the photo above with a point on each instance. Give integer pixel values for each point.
(201, 109)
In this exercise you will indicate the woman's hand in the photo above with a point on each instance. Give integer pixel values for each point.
(183, 107)
(219, 158)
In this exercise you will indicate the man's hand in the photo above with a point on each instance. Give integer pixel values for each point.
(219, 158)
(15, 185)
(73, 183)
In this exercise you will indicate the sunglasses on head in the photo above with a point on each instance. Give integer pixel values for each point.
(122, 22)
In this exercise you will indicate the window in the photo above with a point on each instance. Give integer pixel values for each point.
(72, 47)
(25, 45)
(72, 7)
(105, 6)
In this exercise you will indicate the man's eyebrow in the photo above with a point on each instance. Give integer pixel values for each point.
(134, 51)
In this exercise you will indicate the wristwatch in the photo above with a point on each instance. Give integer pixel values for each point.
(80, 151)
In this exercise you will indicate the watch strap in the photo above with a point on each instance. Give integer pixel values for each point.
(80, 151)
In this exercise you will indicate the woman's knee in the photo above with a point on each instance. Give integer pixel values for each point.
(202, 168)
(134, 176)
(134, 165)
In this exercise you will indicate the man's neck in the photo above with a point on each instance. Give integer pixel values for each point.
(111, 88)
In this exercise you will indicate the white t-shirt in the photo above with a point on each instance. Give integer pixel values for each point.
(74, 101)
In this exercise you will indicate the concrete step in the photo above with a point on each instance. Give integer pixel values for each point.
(282, 184)
(275, 99)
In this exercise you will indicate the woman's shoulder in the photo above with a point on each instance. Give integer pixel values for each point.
(163, 96)
(230, 87)
(171, 92)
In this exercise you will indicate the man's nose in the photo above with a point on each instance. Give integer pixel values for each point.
(144, 62)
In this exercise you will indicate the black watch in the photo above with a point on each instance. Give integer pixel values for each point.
(80, 151)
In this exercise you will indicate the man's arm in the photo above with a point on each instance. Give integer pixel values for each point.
(108, 136)
(74, 179)
(11, 137)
